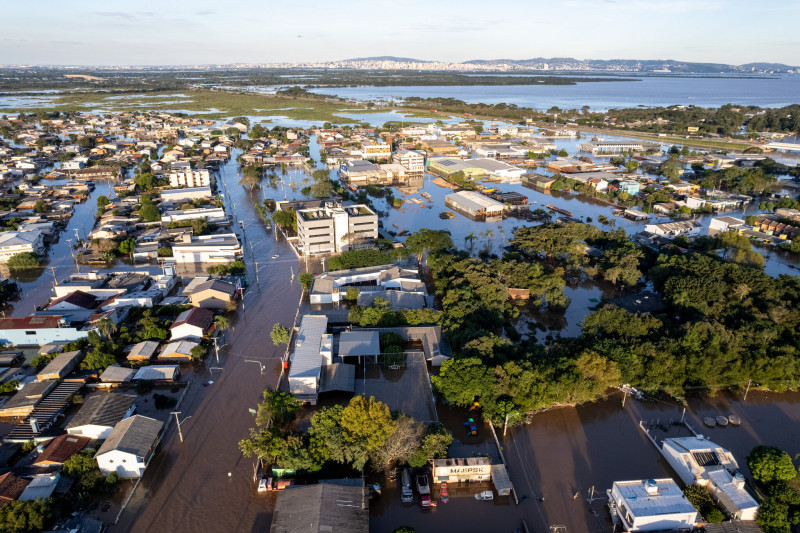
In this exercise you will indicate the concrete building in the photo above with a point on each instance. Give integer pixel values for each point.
(325, 507)
(214, 215)
(726, 224)
(181, 195)
(617, 147)
(335, 228)
(474, 204)
(474, 168)
(60, 366)
(129, 447)
(376, 150)
(15, 242)
(189, 178)
(462, 470)
(698, 461)
(215, 248)
(413, 161)
(673, 229)
(331, 287)
(313, 348)
(651, 505)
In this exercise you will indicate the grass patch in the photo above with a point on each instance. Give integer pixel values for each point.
(229, 104)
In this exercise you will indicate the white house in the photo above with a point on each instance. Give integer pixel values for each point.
(129, 447)
(725, 223)
(180, 195)
(698, 461)
(14, 242)
(99, 413)
(38, 330)
(307, 358)
(651, 505)
(191, 324)
(189, 178)
(215, 248)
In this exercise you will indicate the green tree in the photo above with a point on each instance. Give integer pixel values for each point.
(428, 240)
(461, 381)
(352, 294)
(103, 201)
(199, 352)
(127, 246)
(772, 517)
(149, 212)
(769, 464)
(435, 445)
(41, 207)
(306, 280)
(280, 335)
(366, 424)
(23, 261)
(277, 409)
(26, 516)
(669, 169)
(221, 323)
(106, 327)
(98, 359)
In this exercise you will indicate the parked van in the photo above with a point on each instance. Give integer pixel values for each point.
(406, 494)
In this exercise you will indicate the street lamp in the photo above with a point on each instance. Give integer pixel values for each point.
(179, 422)
(259, 363)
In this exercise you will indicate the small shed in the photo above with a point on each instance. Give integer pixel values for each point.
(117, 374)
(143, 351)
(41, 486)
(321, 508)
(60, 449)
(10, 357)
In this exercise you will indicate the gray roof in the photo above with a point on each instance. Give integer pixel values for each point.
(217, 285)
(135, 435)
(306, 359)
(102, 410)
(357, 343)
(144, 349)
(60, 361)
(318, 508)
(156, 372)
(116, 373)
(338, 377)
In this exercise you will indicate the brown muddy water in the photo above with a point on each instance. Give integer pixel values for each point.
(569, 450)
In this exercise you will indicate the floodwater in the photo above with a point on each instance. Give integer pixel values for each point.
(205, 483)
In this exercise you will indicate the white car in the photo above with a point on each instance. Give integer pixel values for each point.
(262, 485)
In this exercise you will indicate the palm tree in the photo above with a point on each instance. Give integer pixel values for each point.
(489, 235)
(221, 323)
(471, 238)
(106, 327)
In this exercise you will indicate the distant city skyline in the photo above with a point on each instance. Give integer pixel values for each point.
(205, 32)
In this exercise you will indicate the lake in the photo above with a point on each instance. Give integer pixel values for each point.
(649, 91)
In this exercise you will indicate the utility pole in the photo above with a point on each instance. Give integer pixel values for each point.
(72, 251)
(53, 272)
(253, 253)
(260, 364)
(748, 388)
(176, 413)
(216, 349)
(505, 425)
(624, 395)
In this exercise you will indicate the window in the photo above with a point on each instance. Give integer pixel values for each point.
(30, 333)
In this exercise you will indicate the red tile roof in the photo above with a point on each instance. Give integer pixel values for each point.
(30, 322)
(79, 298)
(61, 448)
(196, 316)
(11, 487)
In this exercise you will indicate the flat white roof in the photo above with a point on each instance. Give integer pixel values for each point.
(306, 359)
(668, 498)
(476, 201)
(723, 480)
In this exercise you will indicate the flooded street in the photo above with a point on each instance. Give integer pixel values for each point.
(204, 483)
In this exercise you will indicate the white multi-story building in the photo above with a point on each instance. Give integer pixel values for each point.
(335, 228)
(376, 150)
(15, 242)
(651, 505)
(215, 248)
(413, 161)
(189, 178)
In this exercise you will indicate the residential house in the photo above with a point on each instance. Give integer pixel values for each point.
(100, 413)
(191, 324)
(213, 294)
(326, 506)
(674, 229)
(11, 487)
(129, 447)
(41, 486)
(312, 348)
(726, 224)
(60, 449)
(143, 351)
(115, 375)
(189, 178)
(15, 242)
(177, 351)
(158, 373)
(74, 301)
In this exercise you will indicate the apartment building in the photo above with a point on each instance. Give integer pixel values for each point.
(335, 228)
(376, 150)
(413, 161)
(214, 248)
(15, 242)
(189, 178)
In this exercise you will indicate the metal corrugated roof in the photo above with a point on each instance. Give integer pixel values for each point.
(306, 360)
(358, 343)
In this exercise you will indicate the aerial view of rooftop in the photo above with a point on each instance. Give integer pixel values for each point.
(400, 267)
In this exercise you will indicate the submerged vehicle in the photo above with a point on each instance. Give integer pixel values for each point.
(406, 494)
(424, 490)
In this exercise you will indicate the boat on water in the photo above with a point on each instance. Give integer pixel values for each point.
(485, 496)
(722, 421)
(710, 421)
(734, 420)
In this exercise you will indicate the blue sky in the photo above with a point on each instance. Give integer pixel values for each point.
(146, 32)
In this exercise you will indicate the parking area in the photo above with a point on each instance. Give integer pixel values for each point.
(403, 386)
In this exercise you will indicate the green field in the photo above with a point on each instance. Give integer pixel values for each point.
(208, 104)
